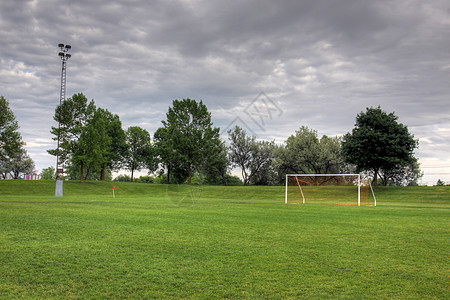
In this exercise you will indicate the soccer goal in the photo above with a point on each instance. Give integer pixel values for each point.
(339, 189)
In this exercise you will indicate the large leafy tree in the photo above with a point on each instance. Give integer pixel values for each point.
(250, 155)
(116, 147)
(379, 144)
(304, 152)
(139, 149)
(91, 151)
(92, 139)
(189, 137)
(11, 143)
(407, 175)
(171, 161)
(14, 159)
(21, 164)
(215, 167)
(17, 165)
(73, 115)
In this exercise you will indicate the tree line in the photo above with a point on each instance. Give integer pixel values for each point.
(187, 148)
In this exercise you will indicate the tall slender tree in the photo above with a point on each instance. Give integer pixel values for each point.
(172, 162)
(91, 151)
(117, 147)
(139, 149)
(250, 155)
(216, 164)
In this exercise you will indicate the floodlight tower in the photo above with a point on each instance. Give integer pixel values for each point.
(60, 157)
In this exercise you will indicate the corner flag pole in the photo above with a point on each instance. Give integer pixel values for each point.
(114, 188)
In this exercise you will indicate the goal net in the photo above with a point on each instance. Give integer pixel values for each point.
(339, 189)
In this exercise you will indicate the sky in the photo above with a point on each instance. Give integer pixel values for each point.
(267, 66)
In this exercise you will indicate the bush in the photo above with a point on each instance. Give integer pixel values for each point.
(161, 179)
(233, 180)
(194, 181)
(123, 178)
(144, 179)
(48, 173)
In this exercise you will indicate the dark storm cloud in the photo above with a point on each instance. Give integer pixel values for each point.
(322, 62)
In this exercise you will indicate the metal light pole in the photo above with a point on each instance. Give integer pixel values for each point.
(60, 157)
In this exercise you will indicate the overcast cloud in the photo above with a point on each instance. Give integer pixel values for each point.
(269, 66)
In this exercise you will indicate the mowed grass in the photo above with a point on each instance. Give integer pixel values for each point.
(159, 241)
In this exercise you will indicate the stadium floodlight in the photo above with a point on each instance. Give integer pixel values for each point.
(60, 157)
(340, 189)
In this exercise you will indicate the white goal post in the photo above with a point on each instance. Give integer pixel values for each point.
(341, 189)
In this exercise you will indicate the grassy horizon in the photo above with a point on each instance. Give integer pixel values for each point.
(159, 241)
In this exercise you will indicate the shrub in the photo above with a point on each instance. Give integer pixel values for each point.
(123, 178)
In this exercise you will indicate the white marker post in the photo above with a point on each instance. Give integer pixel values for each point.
(114, 188)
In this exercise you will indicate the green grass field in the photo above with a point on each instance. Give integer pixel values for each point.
(203, 242)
